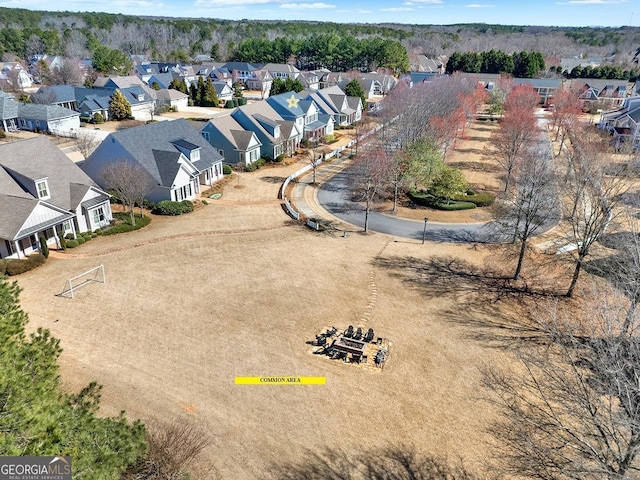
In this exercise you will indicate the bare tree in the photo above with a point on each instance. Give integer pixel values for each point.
(86, 142)
(572, 409)
(173, 447)
(518, 129)
(369, 177)
(68, 73)
(131, 182)
(532, 201)
(593, 189)
(44, 96)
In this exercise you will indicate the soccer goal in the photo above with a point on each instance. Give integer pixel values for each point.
(95, 274)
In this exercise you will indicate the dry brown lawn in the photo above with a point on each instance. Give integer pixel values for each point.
(236, 289)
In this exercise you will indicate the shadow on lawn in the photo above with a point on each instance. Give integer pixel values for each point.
(494, 306)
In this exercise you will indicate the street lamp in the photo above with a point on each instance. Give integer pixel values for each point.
(424, 232)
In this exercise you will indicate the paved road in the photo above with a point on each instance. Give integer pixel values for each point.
(333, 196)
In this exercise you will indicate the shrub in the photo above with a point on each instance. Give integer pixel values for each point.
(242, 101)
(98, 231)
(279, 158)
(252, 167)
(428, 200)
(98, 118)
(44, 247)
(260, 162)
(229, 104)
(226, 169)
(167, 207)
(80, 240)
(16, 266)
(470, 192)
(2, 134)
(69, 236)
(122, 223)
(71, 243)
(479, 199)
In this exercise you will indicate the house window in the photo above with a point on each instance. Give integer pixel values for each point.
(66, 226)
(98, 216)
(43, 189)
(195, 155)
(221, 152)
(205, 135)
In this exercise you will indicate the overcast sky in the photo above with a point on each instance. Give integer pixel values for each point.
(437, 12)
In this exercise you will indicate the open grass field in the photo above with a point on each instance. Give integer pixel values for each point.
(236, 289)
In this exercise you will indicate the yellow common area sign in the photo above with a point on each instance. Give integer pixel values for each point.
(280, 380)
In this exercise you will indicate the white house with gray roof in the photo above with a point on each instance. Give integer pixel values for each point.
(177, 159)
(44, 195)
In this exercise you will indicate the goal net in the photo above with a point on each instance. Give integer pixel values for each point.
(95, 274)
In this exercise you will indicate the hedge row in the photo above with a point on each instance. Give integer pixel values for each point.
(457, 202)
(125, 223)
(167, 207)
(16, 266)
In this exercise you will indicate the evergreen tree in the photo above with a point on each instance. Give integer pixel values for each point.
(202, 92)
(354, 89)
(210, 95)
(193, 93)
(119, 107)
(39, 419)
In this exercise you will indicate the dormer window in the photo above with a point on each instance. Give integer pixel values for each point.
(195, 155)
(43, 189)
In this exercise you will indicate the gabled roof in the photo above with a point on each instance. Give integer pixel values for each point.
(233, 131)
(44, 112)
(260, 115)
(8, 107)
(37, 158)
(61, 93)
(153, 146)
(280, 68)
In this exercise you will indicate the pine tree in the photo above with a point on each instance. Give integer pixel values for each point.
(210, 98)
(39, 419)
(119, 107)
(202, 91)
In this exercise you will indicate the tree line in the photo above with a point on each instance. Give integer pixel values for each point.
(522, 64)
(335, 52)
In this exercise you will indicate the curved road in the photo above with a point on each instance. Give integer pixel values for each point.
(333, 195)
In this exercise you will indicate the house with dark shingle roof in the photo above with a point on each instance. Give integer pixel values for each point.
(277, 136)
(8, 112)
(47, 118)
(304, 112)
(44, 196)
(233, 142)
(176, 158)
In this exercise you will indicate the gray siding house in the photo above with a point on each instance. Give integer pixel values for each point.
(176, 158)
(44, 196)
(233, 142)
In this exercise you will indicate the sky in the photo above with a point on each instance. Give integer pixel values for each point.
(609, 13)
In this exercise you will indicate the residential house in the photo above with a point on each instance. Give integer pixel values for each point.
(221, 74)
(14, 75)
(176, 158)
(282, 70)
(48, 118)
(8, 112)
(345, 109)
(546, 88)
(383, 83)
(61, 95)
(232, 141)
(163, 80)
(261, 82)
(304, 113)
(242, 72)
(623, 123)
(310, 80)
(172, 98)
(224, 91)
(277, 136)
(44, 196)
(370, 87)
(422, 63)
(95, 104)
(604, 94)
